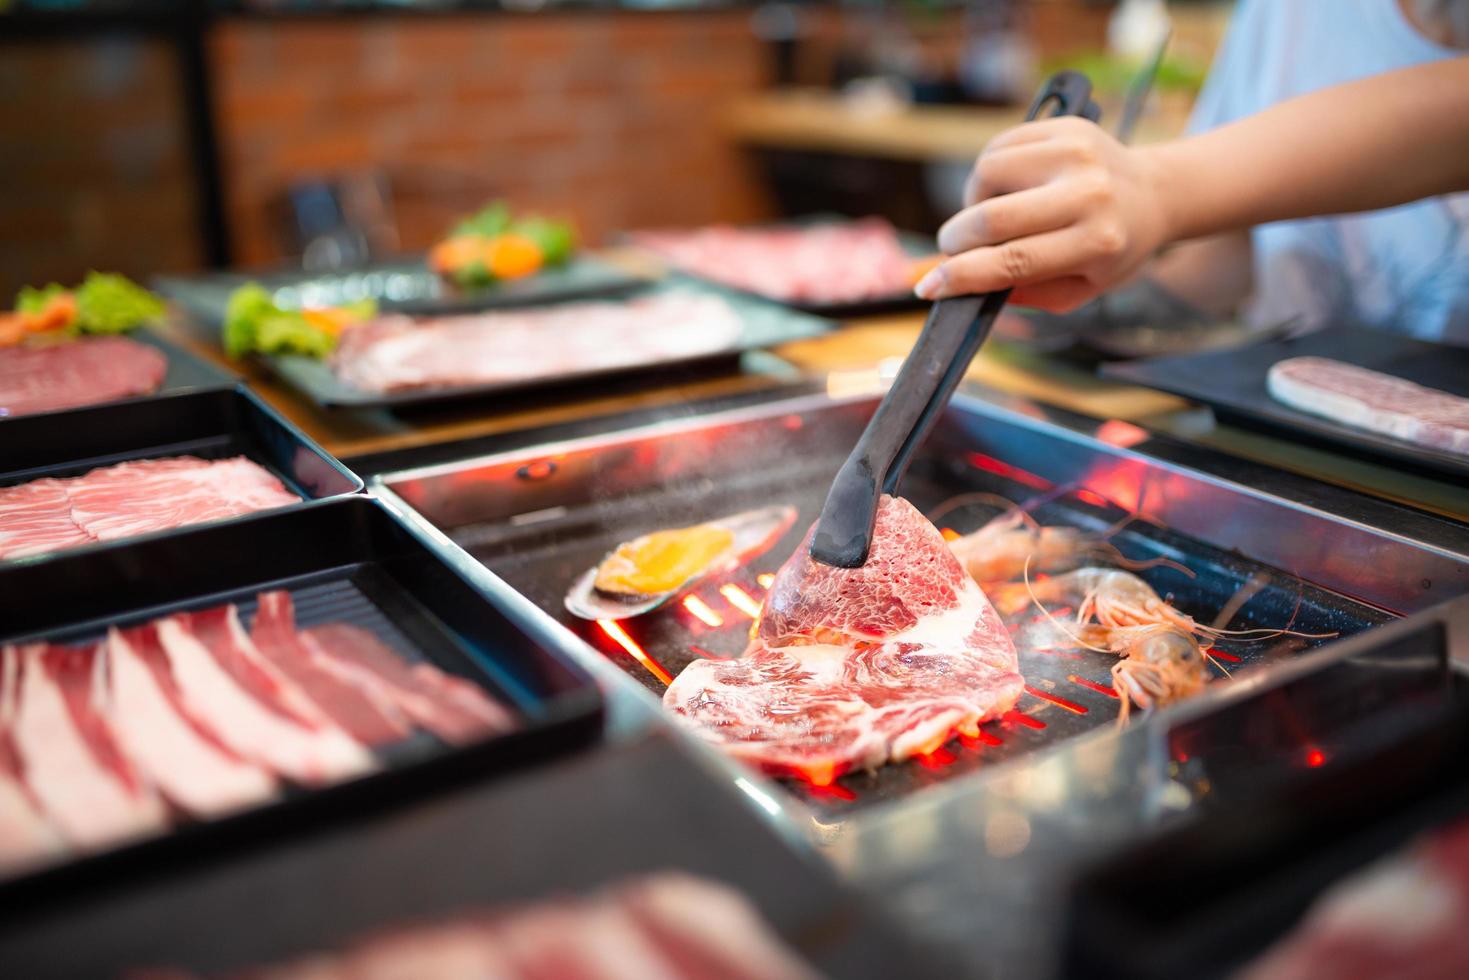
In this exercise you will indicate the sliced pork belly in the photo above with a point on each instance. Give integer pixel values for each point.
(368, 714)
(452, 708)
(35, 517)
(87, 788)
(854, 668)
(150, 717)
(249, 728)
(154, 494)
(26, 837)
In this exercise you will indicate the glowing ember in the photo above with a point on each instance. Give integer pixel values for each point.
(950, 534)
(1017, 718)
(1315, 758)
(766, 580)
(740, 599)
(1216, 652)
(1091, 497)
(700, 652)
(1059, 702)
(990, 464)
(701, 611)
(937, 759)
(614, 630)
(1106, 689)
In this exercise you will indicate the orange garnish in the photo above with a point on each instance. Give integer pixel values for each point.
(453, 254)
(512, 256)
(12, 329)
(59, 312)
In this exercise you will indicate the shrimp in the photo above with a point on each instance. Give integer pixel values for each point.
(999, 551)
(1159, 664)
(1110, 597)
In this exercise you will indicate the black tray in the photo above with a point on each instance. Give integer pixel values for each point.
(916, 245)
(765, 324)
(587, 823)
(185, 373)
(1389, 720)
(346, 561)
(1233, 384)
(210, 424)
(400, 286)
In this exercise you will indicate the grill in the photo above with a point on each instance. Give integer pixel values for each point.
(540, 518)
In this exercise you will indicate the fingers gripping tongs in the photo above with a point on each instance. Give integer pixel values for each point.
(955, 329)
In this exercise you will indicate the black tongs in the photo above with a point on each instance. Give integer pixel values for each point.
(955, 329)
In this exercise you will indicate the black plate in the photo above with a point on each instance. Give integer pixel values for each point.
(916, 245)
(185, 373)
(346, 561)
(210, 424)
(585, 824)
(1201, 896)
(765, 324)
(401, 286)
(1233, 384)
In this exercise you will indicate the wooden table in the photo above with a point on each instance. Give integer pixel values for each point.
(822, 121)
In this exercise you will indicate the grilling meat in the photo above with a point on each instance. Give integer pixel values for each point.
(87, 371)
(1365, 399)
(854, 668)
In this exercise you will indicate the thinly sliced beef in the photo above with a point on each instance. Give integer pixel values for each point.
(365, 712)
(1367, 399)
(396, 353)
(244, 725)
(35, 518)
(86, 371)
(666, 926)
(149, 715)
(132, 498)
(854, 668)
(831, 262)
(85, 786)
(154, 494)
(450, 707)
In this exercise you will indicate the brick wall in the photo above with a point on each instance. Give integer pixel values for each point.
(612, 119)
(93, 165)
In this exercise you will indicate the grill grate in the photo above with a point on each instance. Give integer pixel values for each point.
(1068, 691)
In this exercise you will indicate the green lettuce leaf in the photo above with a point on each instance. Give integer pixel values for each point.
(289, 333)
(31, 299)
(489, 221)
(110, 303)
(247, 306)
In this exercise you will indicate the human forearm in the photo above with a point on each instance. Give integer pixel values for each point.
(1369, 144)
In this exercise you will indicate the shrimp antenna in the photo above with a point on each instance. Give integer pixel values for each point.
(1109, 551)
(1262, 633)
(1053, 620)
(1242, 595)
(1215, 661)
(975, 497)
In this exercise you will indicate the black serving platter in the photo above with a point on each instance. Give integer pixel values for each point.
(212, 424)
(185, 373)
(1375, 742)
(401, 286)
(584, 824)
(1233, 384)
(346, 561)
(764, 324)
(916, 245)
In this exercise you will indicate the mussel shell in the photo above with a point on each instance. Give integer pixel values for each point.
(754, 532)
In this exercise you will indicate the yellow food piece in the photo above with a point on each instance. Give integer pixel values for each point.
(664, 560)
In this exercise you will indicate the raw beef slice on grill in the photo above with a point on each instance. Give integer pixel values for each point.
(854, 668)
(1370, 400)
(81, 372)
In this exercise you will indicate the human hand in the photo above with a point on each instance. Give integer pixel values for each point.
(1058, 210)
